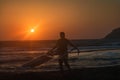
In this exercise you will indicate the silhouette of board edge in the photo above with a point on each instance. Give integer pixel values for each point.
(38, 61)
(41, 59)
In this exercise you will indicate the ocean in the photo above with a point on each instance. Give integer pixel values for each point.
(13, 54)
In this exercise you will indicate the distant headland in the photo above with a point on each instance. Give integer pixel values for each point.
(114, 35)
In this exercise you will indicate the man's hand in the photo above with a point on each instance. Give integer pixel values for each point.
(78, 52)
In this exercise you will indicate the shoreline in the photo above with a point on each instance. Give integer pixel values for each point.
(100, 73)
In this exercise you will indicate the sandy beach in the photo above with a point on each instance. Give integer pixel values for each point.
(100, 73)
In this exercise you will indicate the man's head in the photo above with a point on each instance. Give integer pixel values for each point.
(62, 34)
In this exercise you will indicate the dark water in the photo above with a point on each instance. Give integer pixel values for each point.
(15, 53)
(43, 43)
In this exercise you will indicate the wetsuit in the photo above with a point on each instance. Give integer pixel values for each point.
(62, 45)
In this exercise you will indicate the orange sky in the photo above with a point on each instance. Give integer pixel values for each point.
(80, 19)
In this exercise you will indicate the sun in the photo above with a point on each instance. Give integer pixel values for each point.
(32, 30)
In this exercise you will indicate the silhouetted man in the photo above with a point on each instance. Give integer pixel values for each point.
(61, 47)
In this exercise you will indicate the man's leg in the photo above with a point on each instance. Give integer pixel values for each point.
(61, 65)
(66, 62)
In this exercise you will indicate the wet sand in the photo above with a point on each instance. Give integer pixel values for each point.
(100, 73)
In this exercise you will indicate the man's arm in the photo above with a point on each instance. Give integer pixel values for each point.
(73, 46)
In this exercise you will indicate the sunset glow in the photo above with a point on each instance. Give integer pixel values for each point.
(44, 19)
(32, 30)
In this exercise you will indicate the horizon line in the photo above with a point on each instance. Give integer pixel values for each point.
(47, 40)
